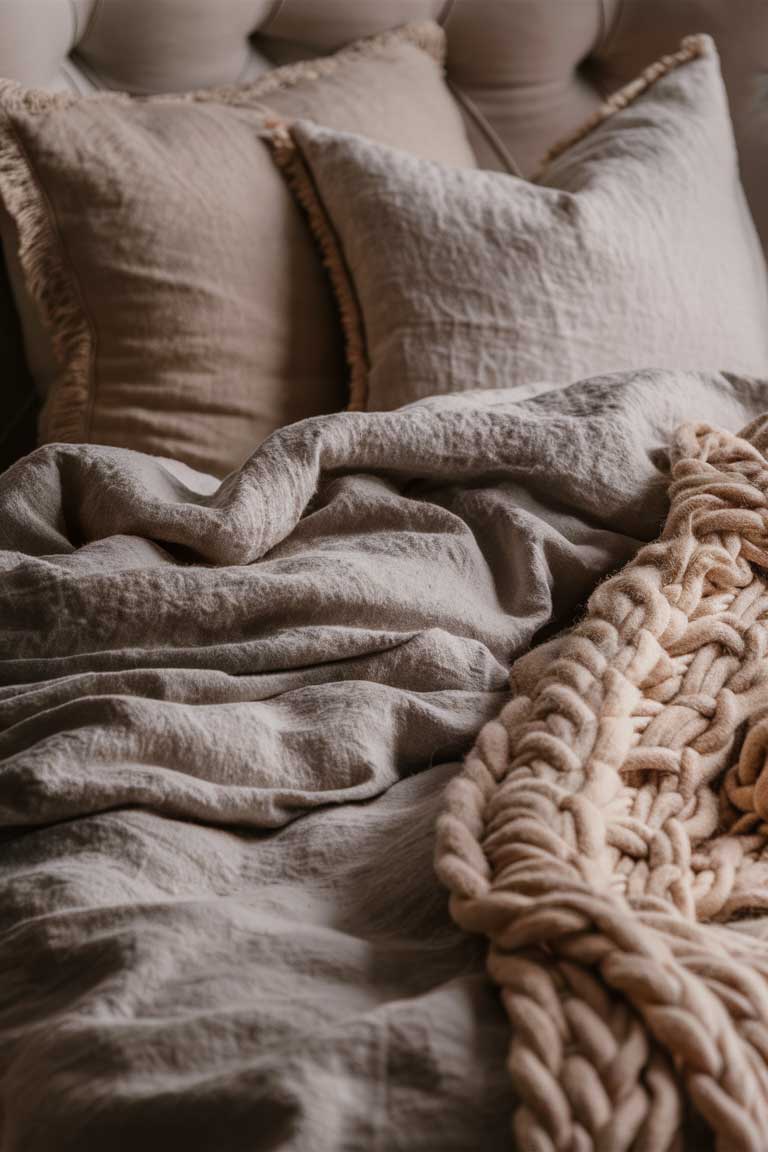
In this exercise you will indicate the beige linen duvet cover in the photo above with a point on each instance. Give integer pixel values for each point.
(227, 717)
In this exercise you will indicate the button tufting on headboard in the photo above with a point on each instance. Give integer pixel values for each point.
(533, 68)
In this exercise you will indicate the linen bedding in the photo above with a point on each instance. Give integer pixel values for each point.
(227, 718)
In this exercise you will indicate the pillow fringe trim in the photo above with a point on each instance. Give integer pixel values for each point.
(299, 178)
(690, 49)
(424, 35)
(49, 281)
(52, 285)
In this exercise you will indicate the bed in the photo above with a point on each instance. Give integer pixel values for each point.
(255, 638)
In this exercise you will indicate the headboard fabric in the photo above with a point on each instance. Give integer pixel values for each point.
(526, 71)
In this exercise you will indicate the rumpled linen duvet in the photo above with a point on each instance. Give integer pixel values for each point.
(227, 719)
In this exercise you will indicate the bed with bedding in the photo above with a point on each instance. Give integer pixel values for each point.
(383, 658)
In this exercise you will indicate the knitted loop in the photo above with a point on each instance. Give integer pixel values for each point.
(614, 819)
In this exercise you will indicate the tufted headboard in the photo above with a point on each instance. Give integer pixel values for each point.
(525, 71)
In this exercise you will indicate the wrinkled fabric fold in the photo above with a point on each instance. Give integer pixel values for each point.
(227, 718)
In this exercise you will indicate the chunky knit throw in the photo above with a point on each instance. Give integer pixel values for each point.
(610, 829)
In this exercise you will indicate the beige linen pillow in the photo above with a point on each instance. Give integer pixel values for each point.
(634, 248)
(160, 253)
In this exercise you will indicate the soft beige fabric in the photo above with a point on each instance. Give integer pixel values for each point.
(613, 821)
(526, 72)
(226, 718)
(634, 249)
(186, 304)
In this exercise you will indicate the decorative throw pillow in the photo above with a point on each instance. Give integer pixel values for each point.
(634, 248)
(162, 257)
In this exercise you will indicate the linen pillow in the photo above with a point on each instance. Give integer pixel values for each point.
(634, 248)
(170, 268)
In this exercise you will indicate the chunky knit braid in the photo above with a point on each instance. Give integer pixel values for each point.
(613, 820)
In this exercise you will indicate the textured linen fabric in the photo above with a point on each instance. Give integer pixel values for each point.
(168, 267)
(526, 72)
(227, 714)
(634, 249)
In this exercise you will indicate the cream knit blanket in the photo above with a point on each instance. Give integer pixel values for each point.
(609, 830)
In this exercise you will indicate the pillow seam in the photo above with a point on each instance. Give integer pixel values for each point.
(486, 130)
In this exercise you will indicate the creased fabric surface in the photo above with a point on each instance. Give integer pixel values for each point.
(172, 206)
(633, 248)
(227, 716)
